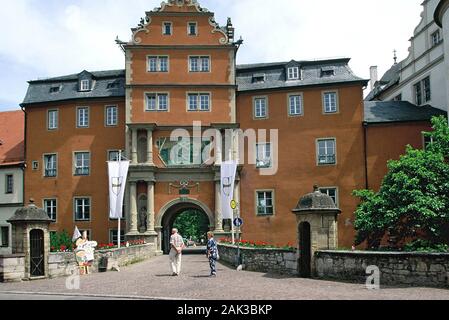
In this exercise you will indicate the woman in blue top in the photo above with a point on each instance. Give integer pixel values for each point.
(212, 253)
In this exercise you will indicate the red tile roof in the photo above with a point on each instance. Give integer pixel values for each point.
(12, 141)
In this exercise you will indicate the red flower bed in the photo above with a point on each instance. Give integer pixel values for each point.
(257, 244)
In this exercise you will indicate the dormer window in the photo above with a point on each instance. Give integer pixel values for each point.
(293, 73)
(55, 89)
(84, 85)
(258, 78)
(327, 72)
(113, 85)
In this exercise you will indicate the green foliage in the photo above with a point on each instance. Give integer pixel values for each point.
(425, 246)
(192, 224)
(60, 240)
(413, 201)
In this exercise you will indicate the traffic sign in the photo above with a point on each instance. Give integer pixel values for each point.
(238, 222)
(233, 205)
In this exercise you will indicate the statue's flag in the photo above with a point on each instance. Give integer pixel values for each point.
(76, 234)
(118, 173)
(228, 172)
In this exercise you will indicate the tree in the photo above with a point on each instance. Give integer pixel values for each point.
(413, 201)
(192, 224)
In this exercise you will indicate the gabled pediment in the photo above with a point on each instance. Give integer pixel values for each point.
(293, 63)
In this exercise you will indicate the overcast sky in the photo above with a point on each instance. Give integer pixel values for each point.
(44, 38)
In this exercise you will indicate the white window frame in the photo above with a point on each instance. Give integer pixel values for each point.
(200, 64)
(53, 207)
(164, 23)
(158, 101)
(325, 101)
(301, 104)
(79, 117)
(293, 73)
(45, 167)
(196, 28)
(84, 206)
(52, 123)
(199, 102)
(75, 163)
(255, 108)
(433, 38)
(85, 85)
(111, 237)
(265, 191)
(320, 164)
(267, 155)
(337, 200)
(158, 63)
(421, 85)
(113, 117)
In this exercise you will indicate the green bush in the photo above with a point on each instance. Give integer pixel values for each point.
(61, 241)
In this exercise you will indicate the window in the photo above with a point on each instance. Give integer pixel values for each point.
(423, 91)
(52, 119)
(330, 102)
(9, 184)
(265, 203)
(199, 101)
(192, 29)
(82, 117)
(260, 108)
(84, 85)
(167, 29)
(182, 153)
(4, 237)
(326, 152)
(113, 155)
(331, 192)
(113, 85)
(35, 165)
(327, 72)
(113, 236)
(258, 78)
(82, 209)
(263, 152)
(111, 116)
(50, 206)
(436, 38)
(50, 165)
(295, 105)
(293, 73)
(82, 163)
(157, 102)
(55, 89)
(158, 64)
(199, 64)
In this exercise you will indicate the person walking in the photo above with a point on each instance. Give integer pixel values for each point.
(212, 253)
(176, 247)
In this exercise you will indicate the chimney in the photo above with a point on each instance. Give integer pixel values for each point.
(373, 76)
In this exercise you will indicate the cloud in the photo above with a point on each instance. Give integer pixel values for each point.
(44, 38)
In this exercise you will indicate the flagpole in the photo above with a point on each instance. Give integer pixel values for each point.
(119, 217)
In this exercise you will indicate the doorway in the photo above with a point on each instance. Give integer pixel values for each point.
(37, 263)
(305, 250)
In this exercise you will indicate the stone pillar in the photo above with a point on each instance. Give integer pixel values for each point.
(218, 148)
(150, 206)
(133, 206)
(218, 213)
(159, 240)
(237, 191)
(134, 146)
(150, 147)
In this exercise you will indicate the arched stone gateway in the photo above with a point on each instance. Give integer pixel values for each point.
(167, 216)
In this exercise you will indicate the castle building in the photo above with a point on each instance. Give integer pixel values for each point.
(181, 77)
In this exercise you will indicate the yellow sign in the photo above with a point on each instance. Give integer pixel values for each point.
(233, 205)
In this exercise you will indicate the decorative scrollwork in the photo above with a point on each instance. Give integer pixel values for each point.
(142, 27)
(183, 187)
(214, 24)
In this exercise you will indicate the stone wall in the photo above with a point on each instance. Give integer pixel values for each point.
(64, 263)
(396, 268)
(12, 267)
(276, 261)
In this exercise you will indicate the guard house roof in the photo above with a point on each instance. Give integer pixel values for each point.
(311, 74)
(398, 111)
(12, 148)
(105, 84)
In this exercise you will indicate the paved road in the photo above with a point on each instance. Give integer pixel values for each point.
(152, 280)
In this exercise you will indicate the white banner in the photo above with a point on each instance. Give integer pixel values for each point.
(118, 173)
(228, 172)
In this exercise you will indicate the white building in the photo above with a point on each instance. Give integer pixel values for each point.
(11, 172)
(421, 77)
(442, 19)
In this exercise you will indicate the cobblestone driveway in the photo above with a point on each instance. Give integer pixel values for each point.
(151, 279)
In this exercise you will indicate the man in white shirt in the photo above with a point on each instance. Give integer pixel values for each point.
(176, 247)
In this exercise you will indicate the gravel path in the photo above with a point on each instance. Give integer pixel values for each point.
(151, 279)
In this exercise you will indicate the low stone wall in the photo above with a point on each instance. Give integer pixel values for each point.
(276, 261)
(396, 268)
(12, 267)
(64, 263)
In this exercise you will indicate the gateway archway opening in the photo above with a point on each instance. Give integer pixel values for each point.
(192, 222)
